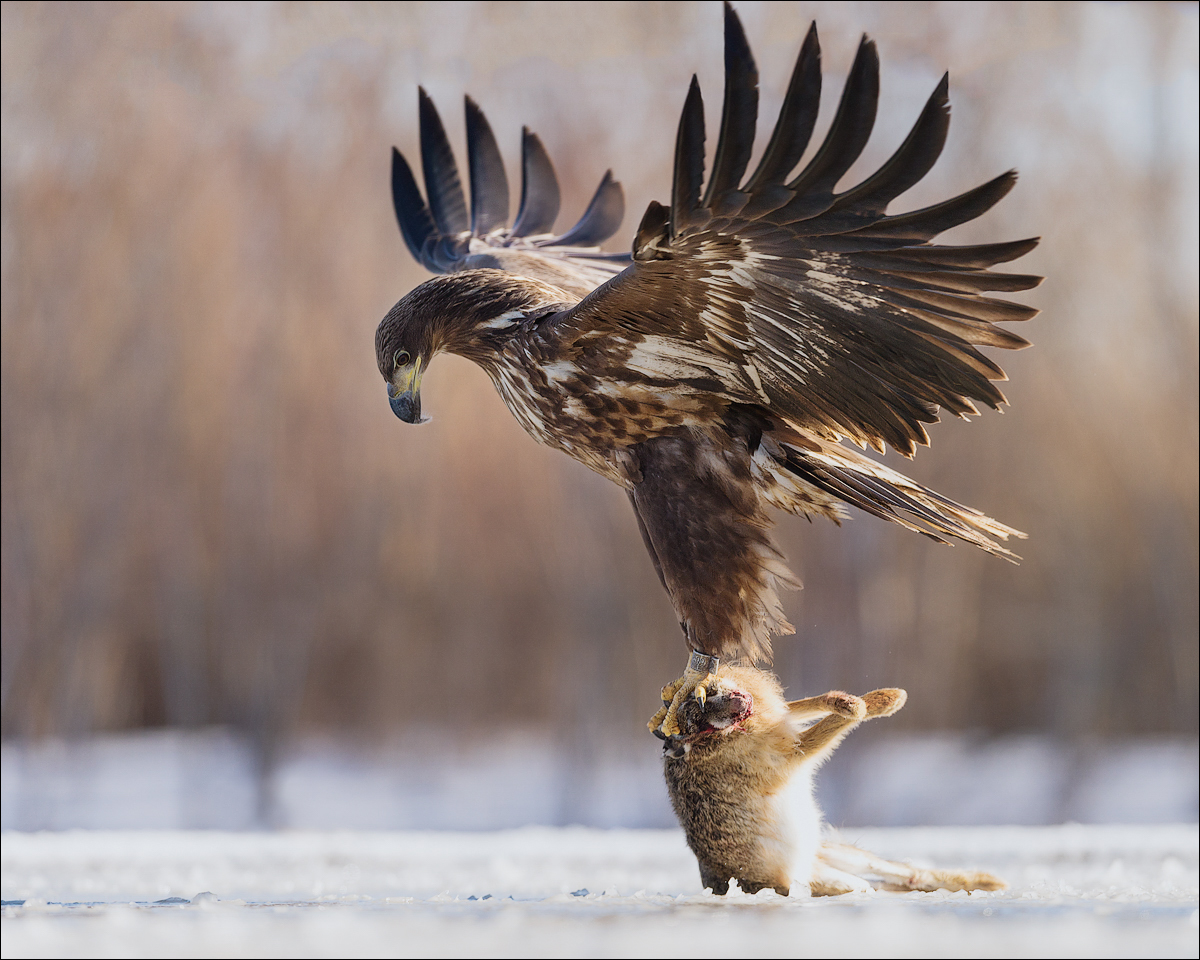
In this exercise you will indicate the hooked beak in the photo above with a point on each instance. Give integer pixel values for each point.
(404, 393)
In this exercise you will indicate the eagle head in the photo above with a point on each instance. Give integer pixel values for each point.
(472, 313)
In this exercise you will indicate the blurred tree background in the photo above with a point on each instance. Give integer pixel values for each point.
(210, 515)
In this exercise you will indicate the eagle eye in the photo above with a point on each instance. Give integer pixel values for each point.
(400, 357)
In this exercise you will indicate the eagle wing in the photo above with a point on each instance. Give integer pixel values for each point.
(444, 237)
(777, 290)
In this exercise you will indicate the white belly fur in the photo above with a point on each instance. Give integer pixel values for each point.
(798, 809)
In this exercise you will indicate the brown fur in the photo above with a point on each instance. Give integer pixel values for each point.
(730, 768)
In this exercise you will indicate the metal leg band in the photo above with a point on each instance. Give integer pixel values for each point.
(703, 663)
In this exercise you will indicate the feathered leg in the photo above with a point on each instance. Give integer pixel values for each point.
(707, 533)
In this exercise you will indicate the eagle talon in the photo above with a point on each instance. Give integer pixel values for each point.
(700, 671)
(670, 723)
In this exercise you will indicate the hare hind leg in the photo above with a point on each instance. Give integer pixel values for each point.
(829, 881)
(902, 877)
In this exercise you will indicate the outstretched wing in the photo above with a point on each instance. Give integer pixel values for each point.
(445, 237)
(847, 322)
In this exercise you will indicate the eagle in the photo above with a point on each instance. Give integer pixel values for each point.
(717, 370)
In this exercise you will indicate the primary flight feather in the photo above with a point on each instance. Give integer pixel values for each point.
(757, 322)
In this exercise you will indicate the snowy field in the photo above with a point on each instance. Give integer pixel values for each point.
(408, 880)
(1076, 891)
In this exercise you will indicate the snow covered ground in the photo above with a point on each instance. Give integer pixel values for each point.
(1076, 890)
(428, 867)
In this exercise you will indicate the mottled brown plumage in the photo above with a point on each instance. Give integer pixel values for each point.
(757, 323)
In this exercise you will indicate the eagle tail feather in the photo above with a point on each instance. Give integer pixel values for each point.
(810, 478)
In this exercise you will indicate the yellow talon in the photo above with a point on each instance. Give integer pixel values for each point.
(670, 724)
(701, 670)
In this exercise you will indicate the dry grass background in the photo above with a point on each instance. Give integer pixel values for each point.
(210, 515)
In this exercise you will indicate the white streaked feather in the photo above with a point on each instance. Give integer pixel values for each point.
(504, 320)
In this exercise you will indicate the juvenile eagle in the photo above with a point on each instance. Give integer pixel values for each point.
(714, 371)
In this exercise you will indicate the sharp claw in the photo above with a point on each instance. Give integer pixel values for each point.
(670, 724)
(665, 723)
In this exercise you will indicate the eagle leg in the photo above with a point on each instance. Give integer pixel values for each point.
(700, 670)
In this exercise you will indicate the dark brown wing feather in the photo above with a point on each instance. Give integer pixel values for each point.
(442, 236)
(843, 320)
